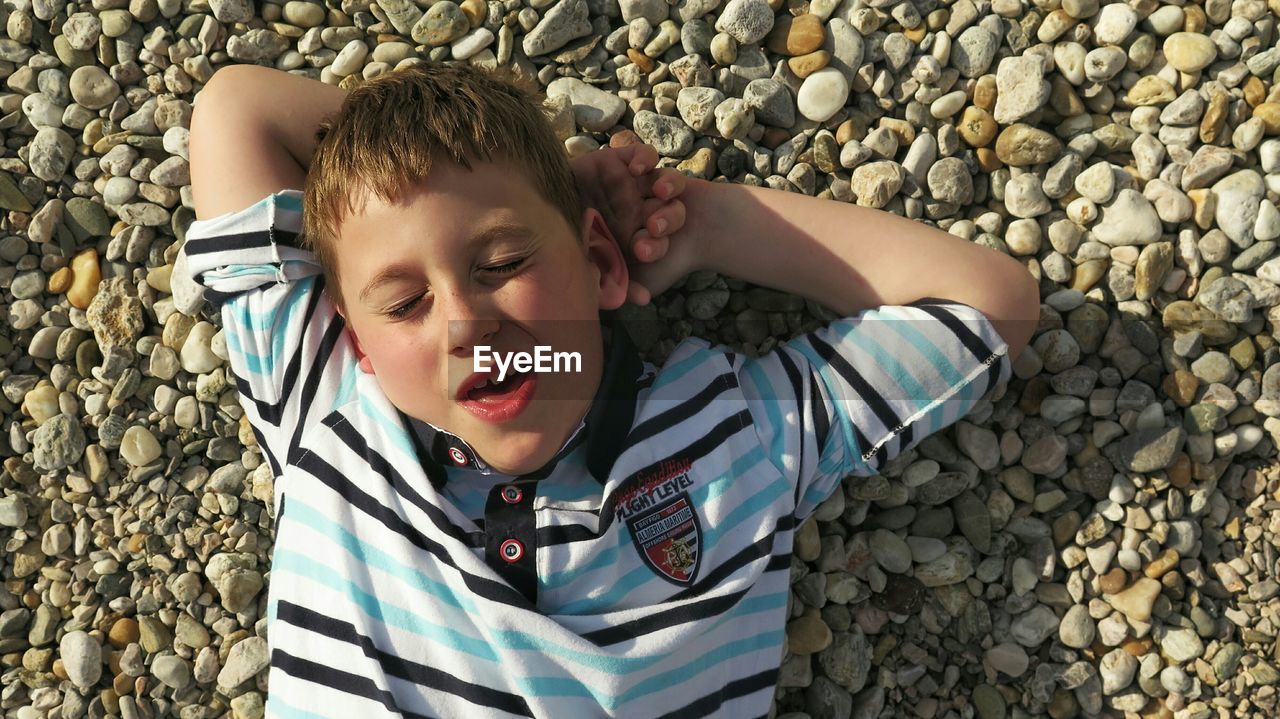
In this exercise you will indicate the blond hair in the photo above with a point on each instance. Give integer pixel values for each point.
(393, 126)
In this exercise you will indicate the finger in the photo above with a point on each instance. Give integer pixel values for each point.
(669, 182)
(651, 249)
(668, 220)
(638, 294)
(644, 159)
(640, 245)
(653, 207)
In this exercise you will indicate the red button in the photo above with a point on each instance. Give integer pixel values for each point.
(511, 551)
(457, 456)
(512, 494)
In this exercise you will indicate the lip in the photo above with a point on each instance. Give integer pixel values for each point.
(471, 382)
(499, 408)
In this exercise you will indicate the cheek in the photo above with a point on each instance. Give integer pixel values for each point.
(405, 352)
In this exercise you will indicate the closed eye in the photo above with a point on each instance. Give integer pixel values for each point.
(403, 310)
(505, 268)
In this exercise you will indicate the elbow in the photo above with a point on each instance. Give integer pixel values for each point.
(1022, 312)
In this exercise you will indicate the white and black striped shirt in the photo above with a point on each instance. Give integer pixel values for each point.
(650, 574)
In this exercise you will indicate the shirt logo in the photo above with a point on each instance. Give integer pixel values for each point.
(669, 538)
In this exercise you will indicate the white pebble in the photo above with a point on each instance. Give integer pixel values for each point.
(139, 447)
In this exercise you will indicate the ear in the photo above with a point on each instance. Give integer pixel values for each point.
(605, 256)
(365, 365)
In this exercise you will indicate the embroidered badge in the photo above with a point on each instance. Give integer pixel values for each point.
(669, 538)
(662, 519)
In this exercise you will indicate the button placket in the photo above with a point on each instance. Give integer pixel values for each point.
(511, 544)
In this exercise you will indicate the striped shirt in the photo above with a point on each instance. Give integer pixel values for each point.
(644, 572)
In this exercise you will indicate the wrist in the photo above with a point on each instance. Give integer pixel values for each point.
(707, 222)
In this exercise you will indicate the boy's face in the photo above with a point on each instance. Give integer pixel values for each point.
(478, 258)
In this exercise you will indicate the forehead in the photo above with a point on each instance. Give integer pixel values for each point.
(449, 196)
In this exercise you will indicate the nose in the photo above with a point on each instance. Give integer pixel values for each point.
(471, 322)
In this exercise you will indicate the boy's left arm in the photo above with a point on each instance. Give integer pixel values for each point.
(931, 323)
(843, 256)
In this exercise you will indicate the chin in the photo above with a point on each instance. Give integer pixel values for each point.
(516, 459)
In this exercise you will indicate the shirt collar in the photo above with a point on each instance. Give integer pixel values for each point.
(604, 429)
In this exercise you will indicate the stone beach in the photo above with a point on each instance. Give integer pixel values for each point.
(1101, 538)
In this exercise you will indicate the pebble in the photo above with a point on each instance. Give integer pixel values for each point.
(747, 21)
(1008, 658)
(890, 551)
(1239, 197)
(593, 109)
(1182, 645)
(1137, 601)
(822, 94)
(81, 657)
(1077, 628)
(1022, 88)
(565, 21)
(1117, 670)
(139, 447)
(1034, 627)
(1189, 51)
(58, 443)
(172, 671)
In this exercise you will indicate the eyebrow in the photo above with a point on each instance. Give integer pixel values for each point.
(493, 233)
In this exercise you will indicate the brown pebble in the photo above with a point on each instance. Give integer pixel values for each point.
(1181, 386)
(988, 160)
(135, 542)
(1064, 705)
(1269, 112)
(624, 137)
(976, 127)
(1232, 528)
(1033, 393)
(1180, 471)
(1215, 117)
(1159, 566)
(1136, 647)
(1255, 92)
(59, 669)
(641, 60)
(984, 92)
(123, 632)
(86, 276)
(122, 684)
(805, 65)
(849, 130)
(477, 11)
(774, 136)
(1113, 581)
(1155, 709)
(795, 35)
(110, 700)
(59, 281)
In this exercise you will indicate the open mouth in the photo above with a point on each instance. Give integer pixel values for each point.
(490, 387)
(497, 401)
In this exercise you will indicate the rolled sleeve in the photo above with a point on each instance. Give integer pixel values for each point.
(849, 397)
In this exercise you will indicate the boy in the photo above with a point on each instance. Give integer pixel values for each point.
(614, 541)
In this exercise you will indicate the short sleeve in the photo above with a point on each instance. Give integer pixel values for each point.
(284, 339)
(847, 398)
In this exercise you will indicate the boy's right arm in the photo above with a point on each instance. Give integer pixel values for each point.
(253, 134)
(250, 129)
